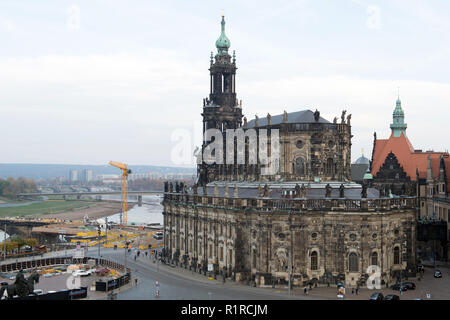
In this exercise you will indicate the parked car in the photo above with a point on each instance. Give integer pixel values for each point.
(376, 296)
(410, 285)
(158, 236)
(392, 297)
(437, 274)
(4, 283)
(397, 287)
(82, 273)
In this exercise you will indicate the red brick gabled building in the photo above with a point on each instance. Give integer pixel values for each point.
(399, 169)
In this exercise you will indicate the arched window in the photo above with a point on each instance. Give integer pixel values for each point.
(314, 260)
(353, 262)
(374, 258)
(396, 255)
(299, 166)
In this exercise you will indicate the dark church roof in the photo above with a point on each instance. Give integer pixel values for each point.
(305, 116)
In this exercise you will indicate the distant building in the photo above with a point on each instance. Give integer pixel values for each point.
(108, 178)
(359, 168)
(87, 175)
(74, 176)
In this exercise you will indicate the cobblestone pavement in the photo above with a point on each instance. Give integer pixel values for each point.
(438, 288)
(180, 283)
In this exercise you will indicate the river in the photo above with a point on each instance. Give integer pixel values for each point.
(150, 212)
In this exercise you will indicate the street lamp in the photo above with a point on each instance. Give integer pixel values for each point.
(4, 244)
(99, 233)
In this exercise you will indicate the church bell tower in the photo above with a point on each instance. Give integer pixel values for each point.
(221, 110)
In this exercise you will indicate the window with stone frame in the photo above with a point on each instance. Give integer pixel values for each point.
(221, 253)
(397, 255)
(353, 262)
(300, 166)
(314, 261)
(374, 258)
(254, 258)
(210, 251)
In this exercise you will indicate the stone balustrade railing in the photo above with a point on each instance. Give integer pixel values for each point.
(293, 204)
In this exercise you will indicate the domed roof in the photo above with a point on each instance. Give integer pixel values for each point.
(362, 160)
(223, 43)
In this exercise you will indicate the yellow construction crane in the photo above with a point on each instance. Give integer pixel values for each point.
(123, 190)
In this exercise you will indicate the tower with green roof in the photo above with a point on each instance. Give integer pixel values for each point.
(398, 126)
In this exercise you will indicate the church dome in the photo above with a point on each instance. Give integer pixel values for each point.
(362, 160)
(223, 43)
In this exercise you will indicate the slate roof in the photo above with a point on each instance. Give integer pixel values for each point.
(305, 116)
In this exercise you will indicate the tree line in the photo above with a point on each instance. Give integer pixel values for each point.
(14, 244)
(10, 187)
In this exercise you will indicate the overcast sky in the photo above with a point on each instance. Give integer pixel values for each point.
(86, 82)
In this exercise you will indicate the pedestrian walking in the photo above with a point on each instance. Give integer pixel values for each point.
(353, 291)
(134, 257)
(135, 281)
(356, 291)
(305, 291)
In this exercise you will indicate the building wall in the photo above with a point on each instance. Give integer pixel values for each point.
(325, 150)
(257, 245)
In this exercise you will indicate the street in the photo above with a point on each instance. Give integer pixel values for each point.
(181, 284)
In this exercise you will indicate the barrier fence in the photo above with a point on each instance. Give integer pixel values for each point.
(16, 266)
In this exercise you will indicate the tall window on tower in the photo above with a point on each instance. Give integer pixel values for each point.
(314, 261)
(396, 255)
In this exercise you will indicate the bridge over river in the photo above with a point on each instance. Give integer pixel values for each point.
(78, 195)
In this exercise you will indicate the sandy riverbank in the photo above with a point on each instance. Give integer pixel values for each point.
(98, 210)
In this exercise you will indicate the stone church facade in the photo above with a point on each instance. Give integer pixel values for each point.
(307, 223)
(310, 146)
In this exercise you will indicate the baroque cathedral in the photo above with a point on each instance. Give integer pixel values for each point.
(306, 223)
(310, 146)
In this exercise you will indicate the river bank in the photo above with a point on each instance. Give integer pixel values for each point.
(99, 210)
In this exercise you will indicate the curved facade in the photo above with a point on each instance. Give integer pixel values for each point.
(330, 240)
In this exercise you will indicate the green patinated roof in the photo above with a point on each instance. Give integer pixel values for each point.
(223, 43)
(398, 108)
(398, 126)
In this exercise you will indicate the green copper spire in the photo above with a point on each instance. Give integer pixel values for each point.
(398, 126)
(223, 43)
